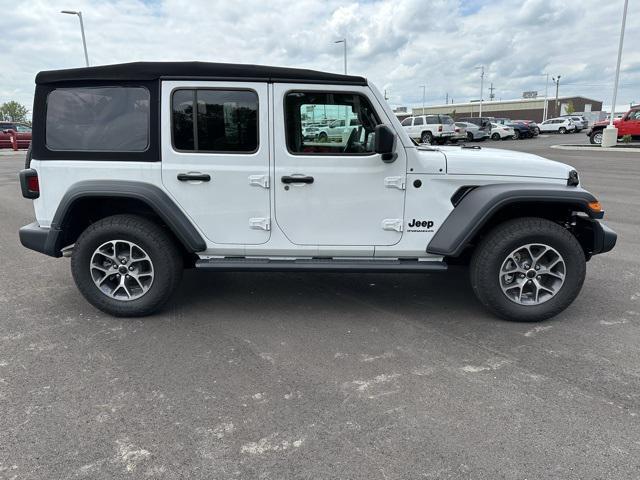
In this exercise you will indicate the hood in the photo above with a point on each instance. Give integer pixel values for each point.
(494, 161)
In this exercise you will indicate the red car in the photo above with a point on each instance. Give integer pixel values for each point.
(21, 131)
(629, 124)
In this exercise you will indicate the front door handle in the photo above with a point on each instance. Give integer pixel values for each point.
(296, 179)
(194, 176)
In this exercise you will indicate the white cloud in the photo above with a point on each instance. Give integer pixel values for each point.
(398, 44)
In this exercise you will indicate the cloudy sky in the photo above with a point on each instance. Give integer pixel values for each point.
(398, 44)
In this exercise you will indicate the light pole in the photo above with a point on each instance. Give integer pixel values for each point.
(545, 110)
(481, 68)
(424, 96)
(556, 80)
(610, 134)
(84, 41)
(344, 41)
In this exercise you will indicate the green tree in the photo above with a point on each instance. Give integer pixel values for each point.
(570, 108)
(13, 111)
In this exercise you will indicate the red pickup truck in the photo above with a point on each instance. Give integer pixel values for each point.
(629, 124)
(21, 131)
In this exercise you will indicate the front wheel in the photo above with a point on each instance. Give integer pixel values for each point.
(562, 130)
(528, 269)
(495, 136)
(516, 134)
(126, 265)
(596, 137)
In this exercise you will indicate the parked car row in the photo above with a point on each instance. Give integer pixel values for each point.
(439, 129)
(21, 131)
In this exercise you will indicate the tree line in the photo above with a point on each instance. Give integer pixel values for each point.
(14, 112)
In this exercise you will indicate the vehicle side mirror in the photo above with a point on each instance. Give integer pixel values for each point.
(384, 143)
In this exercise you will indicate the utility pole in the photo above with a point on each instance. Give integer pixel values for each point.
(556, 80)
(446, 101)
(424, 96)
(491, 89)
(481, 68)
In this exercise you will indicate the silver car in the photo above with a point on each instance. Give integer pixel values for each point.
(473, 132)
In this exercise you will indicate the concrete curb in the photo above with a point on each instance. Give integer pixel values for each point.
(596, 149)
(10, 152)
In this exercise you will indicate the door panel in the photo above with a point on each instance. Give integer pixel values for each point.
(232, 207)
(352, 199)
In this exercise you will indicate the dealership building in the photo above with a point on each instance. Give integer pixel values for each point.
(519, 109)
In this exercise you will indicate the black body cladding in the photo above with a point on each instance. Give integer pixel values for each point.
(48, 241)
(477, 207)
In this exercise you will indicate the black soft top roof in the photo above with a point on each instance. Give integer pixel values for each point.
(147, 71)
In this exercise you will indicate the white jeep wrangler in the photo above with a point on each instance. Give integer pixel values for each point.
(140, 169)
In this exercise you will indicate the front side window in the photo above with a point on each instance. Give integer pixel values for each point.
(407, 122)
(347, 123)
(418, 121)
(208, 120)
(98, 119)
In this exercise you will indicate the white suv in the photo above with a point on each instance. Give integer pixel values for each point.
(430, 128)
(141, 169)
(558, 125)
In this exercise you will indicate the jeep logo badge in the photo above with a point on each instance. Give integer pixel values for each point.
(420, 226)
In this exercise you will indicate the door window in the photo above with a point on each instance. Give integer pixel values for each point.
(350, 116)
(407, 122)
(418, 121)
(208, 120)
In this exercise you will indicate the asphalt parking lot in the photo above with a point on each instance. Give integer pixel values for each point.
(319, 376)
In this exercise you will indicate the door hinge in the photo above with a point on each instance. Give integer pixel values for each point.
(259, 180)
(394, 224)
(395, 182)
(260, 223)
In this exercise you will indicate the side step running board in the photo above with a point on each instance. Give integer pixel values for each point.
(319, 265)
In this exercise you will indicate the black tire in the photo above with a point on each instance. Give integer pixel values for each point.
(516, 134)
(505, 238)
(165, 256)
(495, 136)
(469, 136)
(596, 137)
(426, 137)
(323, 137)
(562, 130)
(536, 132)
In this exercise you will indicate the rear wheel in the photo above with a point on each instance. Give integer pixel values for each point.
(596, 137)
(495, 136)
(562, 130)
(516, 134)
(470, 136)
(528, 269)
(126, 265)
(426, 137)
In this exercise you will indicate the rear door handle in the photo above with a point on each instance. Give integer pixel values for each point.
(296, 179)
(194, 176)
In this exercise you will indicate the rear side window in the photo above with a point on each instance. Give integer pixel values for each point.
(417, 121)
(98, 119)
(208, 120)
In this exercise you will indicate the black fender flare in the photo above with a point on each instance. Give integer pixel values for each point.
(155, 198)
(477, 207)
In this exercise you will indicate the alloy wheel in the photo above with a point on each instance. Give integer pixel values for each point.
(121, 270)
(532, 274)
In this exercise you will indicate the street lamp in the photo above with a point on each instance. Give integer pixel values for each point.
(481, 68)
(610, 134)
(344, 41)
(424, 96)
(84, 42)
(545, 110)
